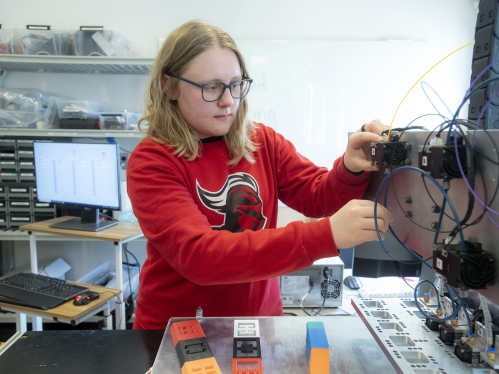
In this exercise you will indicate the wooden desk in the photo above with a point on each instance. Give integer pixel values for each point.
(68, 312)
(119, 234)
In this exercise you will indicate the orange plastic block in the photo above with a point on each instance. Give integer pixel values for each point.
(247, 366)
(203, 366)
(319, 361)
(186, 330)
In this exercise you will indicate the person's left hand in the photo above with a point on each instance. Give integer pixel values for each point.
(355, 159)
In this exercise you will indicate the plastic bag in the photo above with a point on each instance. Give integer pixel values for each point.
(23, 107)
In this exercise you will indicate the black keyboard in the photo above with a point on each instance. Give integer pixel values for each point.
(37, 291)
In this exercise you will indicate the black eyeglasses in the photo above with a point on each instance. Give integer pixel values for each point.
(214, 91)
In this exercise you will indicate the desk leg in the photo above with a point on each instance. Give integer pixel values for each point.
(21, 322)
(120, 308)
(109, 318)
(36, 321)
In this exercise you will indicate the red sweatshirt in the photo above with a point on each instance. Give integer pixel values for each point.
(211, 228)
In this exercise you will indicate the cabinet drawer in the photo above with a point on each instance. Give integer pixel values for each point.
(39, 207)
(4, 221)
(16, 220)
(8, 155)
(8, 177)
(8, 166)
(17, 192)
(20, 206)
(23, 154)
(26, 177)
(25, 165)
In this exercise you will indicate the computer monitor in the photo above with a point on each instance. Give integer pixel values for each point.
(80, 174)
(372, 261)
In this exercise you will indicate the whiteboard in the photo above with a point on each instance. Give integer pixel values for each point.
(315, 92)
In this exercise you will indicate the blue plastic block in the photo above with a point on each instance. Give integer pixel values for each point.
(316, 337)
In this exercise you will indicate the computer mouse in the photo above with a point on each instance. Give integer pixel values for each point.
(352, 282)
(85, 297)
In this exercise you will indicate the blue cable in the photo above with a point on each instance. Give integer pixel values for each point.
(431, 102)
(434, 287)
(451, 205)
(412, 252)
(455, 310)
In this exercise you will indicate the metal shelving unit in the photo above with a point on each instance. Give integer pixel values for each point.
(72, 64)
(71, 133)
(75, 64)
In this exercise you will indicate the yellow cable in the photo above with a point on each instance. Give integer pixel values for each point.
(430, 69)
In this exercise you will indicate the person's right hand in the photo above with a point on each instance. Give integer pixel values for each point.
(354, 223)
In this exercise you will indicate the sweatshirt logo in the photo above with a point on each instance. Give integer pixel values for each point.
(239, 201)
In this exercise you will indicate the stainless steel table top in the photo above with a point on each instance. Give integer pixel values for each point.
(352, 348)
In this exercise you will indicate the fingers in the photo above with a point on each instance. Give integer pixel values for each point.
(354, 223)
(381, 211)
(375, 126)
(355, 158)
(357, 139)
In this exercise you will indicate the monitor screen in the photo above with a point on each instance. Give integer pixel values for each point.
(80, 174)
(370, 260)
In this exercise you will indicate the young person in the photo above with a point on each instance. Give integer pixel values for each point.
(205, 184)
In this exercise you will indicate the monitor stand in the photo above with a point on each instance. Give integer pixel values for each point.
(89, 221)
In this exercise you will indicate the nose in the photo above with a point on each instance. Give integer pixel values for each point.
(226, 100)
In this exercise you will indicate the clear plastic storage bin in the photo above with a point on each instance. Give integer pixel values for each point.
(44, 40)
(80, 108)
(9, 40)
(119, 120)
(100, 41)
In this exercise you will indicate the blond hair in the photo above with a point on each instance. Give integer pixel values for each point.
(162, 115)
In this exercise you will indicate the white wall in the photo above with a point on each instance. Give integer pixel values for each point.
(445, 22)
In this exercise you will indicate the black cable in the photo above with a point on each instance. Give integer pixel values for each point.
(130, 299)
(137, 261)
(399, 267)
(406, 215)
(108, 216)
(40, 43)
(419, 258)
(311, 284)
(471, 125)
(448, 124)
(119, 302)
(325, 293)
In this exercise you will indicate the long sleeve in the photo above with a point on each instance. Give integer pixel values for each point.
(211, 228)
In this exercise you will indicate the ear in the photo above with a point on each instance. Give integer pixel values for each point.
(166, 81)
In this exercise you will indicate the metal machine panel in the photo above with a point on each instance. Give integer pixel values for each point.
(409, 192)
